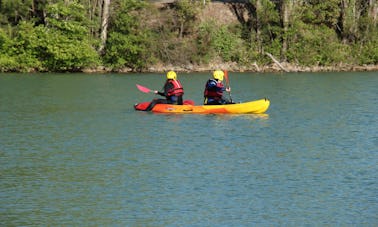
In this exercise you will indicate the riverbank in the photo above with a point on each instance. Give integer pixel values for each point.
(225, 14)
(274, 67)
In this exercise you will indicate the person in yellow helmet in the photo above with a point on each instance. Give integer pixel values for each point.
(214, 88)
(173, 92)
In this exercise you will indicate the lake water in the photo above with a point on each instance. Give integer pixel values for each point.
(73, 152)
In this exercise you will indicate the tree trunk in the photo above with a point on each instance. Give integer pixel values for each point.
(373, 10)
(277, 62)
(286, 9)
(104, 24)
(38, 9)
(181, 29)
(349, 17)
(258, 26)
(94, 6)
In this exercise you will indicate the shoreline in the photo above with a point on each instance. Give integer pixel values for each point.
(272, 68)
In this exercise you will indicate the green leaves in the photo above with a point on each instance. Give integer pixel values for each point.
(321, 12)
(317, 46)
(127, 44)
(62, 45)
(63, 35)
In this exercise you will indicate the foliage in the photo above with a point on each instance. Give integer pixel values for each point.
(186, 12)
(367, 52)
(63, 35)
(126, 50)
(321, 12)
(60, 52)
(15, 10)
(206, 31)
(7, 63)
(62, 45)
(68, 18)
(226, 44)
(127, 45)
(222, 42)
(317, 45)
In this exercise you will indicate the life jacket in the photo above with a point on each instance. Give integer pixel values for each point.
(213, 92)
(176, 90)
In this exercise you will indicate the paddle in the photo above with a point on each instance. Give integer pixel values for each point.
(144, 89)
(147, 90)
(227, 83)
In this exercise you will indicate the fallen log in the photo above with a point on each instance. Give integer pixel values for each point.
(277, 62)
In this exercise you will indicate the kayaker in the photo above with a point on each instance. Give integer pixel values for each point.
(214, 88)
(173, 92)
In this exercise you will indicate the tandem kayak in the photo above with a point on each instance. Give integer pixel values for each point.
(252, 107)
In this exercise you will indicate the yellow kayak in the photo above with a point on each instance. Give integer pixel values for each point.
(252, 107)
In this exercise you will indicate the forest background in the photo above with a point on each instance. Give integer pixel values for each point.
(188, 35)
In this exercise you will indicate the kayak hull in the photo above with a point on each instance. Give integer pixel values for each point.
(253, 107)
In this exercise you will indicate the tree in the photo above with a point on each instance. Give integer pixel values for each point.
(319, 12)
(186, 14)
(349, 17)
(127, 44)
(64, 43)
(373, 11)
(104, 23)
(286, 11)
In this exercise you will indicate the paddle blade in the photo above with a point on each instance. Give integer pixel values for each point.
(228, 84)
(189, 102)
(143, 89)
(226, 76)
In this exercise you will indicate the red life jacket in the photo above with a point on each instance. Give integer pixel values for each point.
(215, 92)
(177, 88)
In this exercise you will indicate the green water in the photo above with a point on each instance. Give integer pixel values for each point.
(73, 152)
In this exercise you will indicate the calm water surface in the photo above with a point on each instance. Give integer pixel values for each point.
(73, 152)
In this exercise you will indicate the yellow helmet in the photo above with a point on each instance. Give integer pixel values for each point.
(218, 75)
(171, 75)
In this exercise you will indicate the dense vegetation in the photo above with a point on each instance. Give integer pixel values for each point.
(72, 35)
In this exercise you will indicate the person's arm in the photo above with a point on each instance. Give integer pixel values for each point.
(167, 87)
(211, 85)
(159, 93)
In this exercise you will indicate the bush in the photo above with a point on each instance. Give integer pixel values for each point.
(214, 41)
(367, 52)
(317, 45)
(8, 64)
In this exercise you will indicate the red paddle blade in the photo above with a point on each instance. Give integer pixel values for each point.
(189, 102)
(143, 89)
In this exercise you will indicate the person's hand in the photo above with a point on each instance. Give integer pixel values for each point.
(228, 89)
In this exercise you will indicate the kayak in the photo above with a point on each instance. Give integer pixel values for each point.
(252, 107)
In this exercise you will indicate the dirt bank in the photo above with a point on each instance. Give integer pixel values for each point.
(261, 69)
(236, 68)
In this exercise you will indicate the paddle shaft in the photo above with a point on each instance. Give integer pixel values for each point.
(228, 84)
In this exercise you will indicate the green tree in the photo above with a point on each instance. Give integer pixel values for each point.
(66, 44)
(320, 12)
(7, 62)
(186, 13)
(314, 45)
(23, 48)
(16, 10)
(128, 42)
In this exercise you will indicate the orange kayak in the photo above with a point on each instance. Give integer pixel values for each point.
(252, 107)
